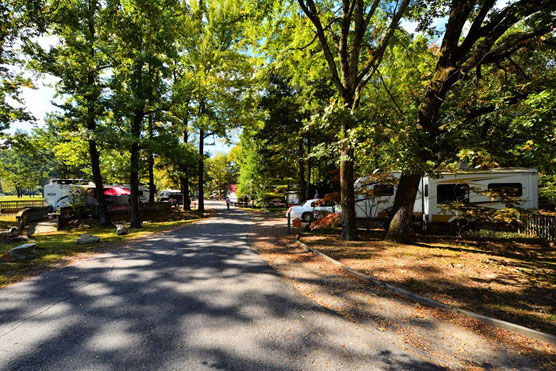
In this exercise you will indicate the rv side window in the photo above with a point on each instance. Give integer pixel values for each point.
(447, 193)
(384, 190)
(510, 189)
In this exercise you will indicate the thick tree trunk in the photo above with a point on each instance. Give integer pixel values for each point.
(302, 184)
(349, 229)
(103, 217)
(402, 219)
(135, 222)
(399, 229)
(201, 206)
(150, 160)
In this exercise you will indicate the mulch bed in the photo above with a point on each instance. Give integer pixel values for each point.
(510, 280)
(448, 339)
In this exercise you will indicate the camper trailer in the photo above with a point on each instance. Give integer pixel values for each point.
(65, 192)
(68, 192)
(143, 193)
(375, 194)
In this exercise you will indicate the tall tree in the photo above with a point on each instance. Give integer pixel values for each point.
(219, 63)
(476, 33)
(353, 44)
(144, 33)
(79, 60)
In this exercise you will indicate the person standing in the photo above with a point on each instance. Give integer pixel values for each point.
(228, 202)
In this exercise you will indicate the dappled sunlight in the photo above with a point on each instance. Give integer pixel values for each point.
(375, 308)
(197, 297)
(112, 337)
(484, 276)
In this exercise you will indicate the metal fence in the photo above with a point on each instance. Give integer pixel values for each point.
(543, 226)
(15, 206)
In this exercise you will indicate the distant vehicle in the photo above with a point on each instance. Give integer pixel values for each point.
(277, 202)
(292, 197)
(307, 211)
(231, 192)
(172, 195)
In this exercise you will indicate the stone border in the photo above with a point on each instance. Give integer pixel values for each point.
(551, 339)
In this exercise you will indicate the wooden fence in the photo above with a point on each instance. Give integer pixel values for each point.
(543, 226)
(15, 206)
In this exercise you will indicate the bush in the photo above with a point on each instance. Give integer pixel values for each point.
(330, 221)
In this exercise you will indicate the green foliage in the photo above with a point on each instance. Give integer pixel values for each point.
(219, 174)
(24, 164)
(19, 22)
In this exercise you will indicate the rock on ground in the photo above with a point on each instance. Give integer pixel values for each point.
(121, 230)
(23, 252)
(87, 238)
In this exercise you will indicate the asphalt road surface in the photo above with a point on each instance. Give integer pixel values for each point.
(194, 299)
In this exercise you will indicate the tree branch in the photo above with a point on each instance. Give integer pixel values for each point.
(312, 14)
(400, 112)
(376, 57)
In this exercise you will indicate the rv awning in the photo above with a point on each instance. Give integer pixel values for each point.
(116, 191)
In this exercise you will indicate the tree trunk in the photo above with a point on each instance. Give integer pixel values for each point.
(399, 229)
(302, 184)
(185, 180)
(150, 160)
(134, 174)
(201, 206)
(349, 229)
(103, 217)
(400, 226)
(308, 194)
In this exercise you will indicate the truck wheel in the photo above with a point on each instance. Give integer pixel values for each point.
(307, 217)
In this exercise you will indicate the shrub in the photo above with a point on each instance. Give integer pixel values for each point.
(329, 221)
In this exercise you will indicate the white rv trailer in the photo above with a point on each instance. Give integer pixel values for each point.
(124, 200)
(63, 192)
(466, 187)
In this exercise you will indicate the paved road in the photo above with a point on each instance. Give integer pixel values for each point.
(197, 298)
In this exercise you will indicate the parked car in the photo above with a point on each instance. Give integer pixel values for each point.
(173, 196)
(309, 210)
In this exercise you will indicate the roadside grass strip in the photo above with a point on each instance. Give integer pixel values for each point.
(57, 248)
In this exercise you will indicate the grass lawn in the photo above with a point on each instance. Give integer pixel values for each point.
(7, 221)
(24, 198)
(511, 279)
(55, 249)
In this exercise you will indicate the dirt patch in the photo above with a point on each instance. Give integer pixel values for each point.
(442, 337)
(509, 280)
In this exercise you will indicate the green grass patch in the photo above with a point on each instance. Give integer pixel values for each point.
(497, 235)
(24, 198)
(54, 248)
(7, 221)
